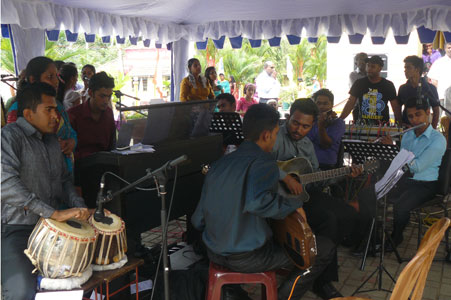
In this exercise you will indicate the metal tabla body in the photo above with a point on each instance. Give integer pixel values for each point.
(111, 242)
(61, 249)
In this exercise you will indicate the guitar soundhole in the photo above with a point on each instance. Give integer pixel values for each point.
(290, 244)
(297, 246)
(298, 259)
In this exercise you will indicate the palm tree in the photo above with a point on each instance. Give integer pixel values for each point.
(317, 64)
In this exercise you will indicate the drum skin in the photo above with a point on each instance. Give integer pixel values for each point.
(61, 249)
(111, 241)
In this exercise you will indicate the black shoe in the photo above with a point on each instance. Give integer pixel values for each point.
(234, 292)
(326, 291)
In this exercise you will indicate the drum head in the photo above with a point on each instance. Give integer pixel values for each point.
(113, 227)
(73, 227)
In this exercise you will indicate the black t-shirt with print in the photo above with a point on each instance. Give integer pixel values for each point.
(373, 99)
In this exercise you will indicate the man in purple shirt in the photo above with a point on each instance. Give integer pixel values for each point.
(327, 131)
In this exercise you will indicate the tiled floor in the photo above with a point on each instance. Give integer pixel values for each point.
(438, 286)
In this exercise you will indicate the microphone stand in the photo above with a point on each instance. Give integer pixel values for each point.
(119, 94)
(160, 177)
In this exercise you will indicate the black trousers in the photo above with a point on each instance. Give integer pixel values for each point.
(407, 195)
(332, 218)
(272, 257)
(18, 283)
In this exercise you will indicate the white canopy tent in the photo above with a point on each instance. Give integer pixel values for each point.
(181, 21)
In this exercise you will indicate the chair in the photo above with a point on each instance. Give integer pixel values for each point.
(411, 281)
(442, 197)
(219, 276)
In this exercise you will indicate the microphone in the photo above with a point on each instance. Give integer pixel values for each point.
(6, 78)
(6, 75)
(119, 94)
(99, 214)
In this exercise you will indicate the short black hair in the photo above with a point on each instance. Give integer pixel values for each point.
(416, 62)
(101, 80)
(324, 92)
(305, 106)
(258, 118)
(29, 96)
(226, 96)
(418, 103)
(93, 69)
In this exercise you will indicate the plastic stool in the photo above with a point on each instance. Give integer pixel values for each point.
(218, 276)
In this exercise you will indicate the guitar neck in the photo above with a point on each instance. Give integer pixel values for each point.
(325, 175)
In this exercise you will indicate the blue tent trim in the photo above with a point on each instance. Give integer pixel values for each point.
(293, 39)
(219, 43)
(52, 35)
(90, 38)
(106, 39)
(355, 38)
(274, 42)
(426, 35)
(146, 43)
(133, 40)
(202, 45)
(333, 39)
(378, 40)
(255, 43)
(5, 32)
(402, 39)
(312, 40)
(71, 37)
(120, 40)
(236, 42)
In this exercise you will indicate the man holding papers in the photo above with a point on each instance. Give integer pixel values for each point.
(428, 146)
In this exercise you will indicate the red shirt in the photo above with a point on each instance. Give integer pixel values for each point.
(93, 136)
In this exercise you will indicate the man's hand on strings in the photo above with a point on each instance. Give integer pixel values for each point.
(355, 171)
(293, 185)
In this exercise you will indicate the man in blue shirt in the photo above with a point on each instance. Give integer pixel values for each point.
(415, 85)
(428, 146)
(239, 195)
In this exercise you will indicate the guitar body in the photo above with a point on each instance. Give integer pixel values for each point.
(295, 167)
(296, 237)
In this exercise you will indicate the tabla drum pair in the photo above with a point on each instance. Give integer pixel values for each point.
(66, 249)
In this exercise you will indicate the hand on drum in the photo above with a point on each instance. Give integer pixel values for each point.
(79, 213)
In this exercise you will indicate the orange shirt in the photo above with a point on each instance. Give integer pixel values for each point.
(189, 93)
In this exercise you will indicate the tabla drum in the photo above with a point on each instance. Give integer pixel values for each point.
(61, 249)
(111, 242)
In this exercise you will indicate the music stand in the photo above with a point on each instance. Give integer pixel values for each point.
(360, 151)
(229, 124)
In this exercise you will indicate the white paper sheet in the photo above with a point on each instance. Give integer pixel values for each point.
(394, 173)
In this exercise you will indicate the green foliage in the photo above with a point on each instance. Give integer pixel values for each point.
(79, 52)
(7, 61)
(308, 60)
(120, 80)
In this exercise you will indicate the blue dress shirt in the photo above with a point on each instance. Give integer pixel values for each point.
(239, 193)
(428, 149)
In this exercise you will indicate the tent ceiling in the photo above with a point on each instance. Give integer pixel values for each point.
(166, 21)
(205, 11)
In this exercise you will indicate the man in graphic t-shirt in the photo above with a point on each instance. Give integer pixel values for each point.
(373, 93)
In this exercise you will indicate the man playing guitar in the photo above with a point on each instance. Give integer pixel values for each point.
(239, 194)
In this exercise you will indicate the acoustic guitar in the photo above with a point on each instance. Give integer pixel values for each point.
(293, 233)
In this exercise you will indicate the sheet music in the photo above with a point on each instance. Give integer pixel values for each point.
(394, 173)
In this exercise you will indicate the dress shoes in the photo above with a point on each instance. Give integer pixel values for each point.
(326, 291)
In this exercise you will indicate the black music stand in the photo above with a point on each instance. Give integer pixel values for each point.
(360, 151)
(230, 125)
